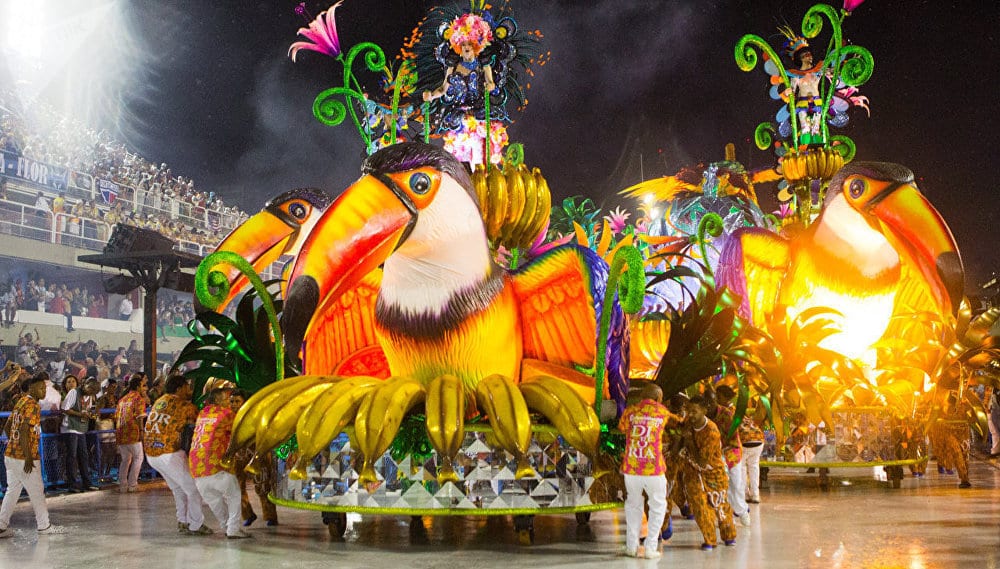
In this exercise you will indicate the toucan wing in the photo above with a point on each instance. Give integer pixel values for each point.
(752, 264)
(560, 295)
(342, 339)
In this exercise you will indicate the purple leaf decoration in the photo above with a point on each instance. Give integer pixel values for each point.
(321, 33)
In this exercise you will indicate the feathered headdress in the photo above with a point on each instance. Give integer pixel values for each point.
(793, 42)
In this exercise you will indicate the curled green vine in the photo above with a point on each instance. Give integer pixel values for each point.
(212, 289)
(763, 135)
(858, 64)
(631, 292)
(711, 224)
(845, 146)
(746, 60)
(812, 22)
(514, 156)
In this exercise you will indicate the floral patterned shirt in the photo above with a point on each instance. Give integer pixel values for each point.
(27, 409)
(732, 448)
(212, 432)
(643, 425)
(128, 417)
(166, 423)
(750, 432)
(705, 450)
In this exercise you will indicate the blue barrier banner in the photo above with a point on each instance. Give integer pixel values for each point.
(14, 165)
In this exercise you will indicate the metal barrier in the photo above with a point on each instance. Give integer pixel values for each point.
(25, 221)
(104, 458)
(80, 232)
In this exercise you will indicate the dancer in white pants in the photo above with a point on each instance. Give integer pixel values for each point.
(24, 469)
(643, 467)
(129, 417)
(168, 419)
(221, 492)
(217, 486)
(173, 467)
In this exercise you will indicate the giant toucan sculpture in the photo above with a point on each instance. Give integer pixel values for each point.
(877, 240)
(279, 229)
(396, 280)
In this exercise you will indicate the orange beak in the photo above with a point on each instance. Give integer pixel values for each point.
(261, 240)
(355, 235)
(921, 236)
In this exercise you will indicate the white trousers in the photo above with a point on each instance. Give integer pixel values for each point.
(994, 422)
(751, 459)
(222, 494)
(17, 479)
(128, 470)
(656, 492)
(737, 494)
(173, 467)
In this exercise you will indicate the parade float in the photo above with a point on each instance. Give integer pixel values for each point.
(443, 341)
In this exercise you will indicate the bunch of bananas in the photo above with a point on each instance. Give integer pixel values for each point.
(515, 205)
(811, 164)
(318, 408)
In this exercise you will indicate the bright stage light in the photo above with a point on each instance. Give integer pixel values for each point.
(863, 321)
(78, 56)
(24, 29)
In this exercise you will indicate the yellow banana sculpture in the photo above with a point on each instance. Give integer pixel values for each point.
(279, 413)
(564, 408)
(280, 426)
(496, 196)
(247, 418)
(515, 205)
(326, 417)
(379, 417)
(446, 422)
(508, 415)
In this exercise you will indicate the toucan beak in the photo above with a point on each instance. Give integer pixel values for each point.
(920, 234)
(261, 240)
(355, 235)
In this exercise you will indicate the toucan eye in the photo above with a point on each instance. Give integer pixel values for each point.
(297, 210)
(420, 183)
(857, 188)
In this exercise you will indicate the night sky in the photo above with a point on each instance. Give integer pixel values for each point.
(217, 98)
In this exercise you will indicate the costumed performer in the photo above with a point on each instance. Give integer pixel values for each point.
(706, 480)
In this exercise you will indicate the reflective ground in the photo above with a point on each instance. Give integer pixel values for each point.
(859, 522)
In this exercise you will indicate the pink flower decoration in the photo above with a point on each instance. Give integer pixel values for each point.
(321, 33)
(617, 220)
(850, 5)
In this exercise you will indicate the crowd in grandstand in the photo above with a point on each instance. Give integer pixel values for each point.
(70, 300)
(50, 138)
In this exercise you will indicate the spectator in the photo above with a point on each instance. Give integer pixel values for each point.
(42, 207)
(130, 413)
(51, 402)
(60, 306)
(28, 347)
(125, 309)
(21, 459)
(78, 410)
(8, 302)
(218, 487)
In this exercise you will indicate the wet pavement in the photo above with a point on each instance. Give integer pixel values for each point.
(858, 522)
